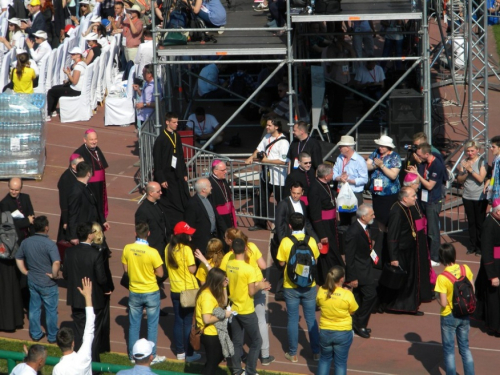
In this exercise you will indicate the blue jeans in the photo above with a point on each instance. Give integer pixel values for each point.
(307, 298)
(183, 318)
(137, 302)
(432, 211)
(459, 327)
(49, 296)
(334, 345)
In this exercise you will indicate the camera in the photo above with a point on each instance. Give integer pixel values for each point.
(260, 155)
(411, 148)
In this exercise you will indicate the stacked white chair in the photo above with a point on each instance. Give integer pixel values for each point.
(64, 60)
(110, 62)
(93, 90)
(58, 63)
(5, 71)
(78, 108)
(84, 25)
(120, 110)
(101, 81)
(51, 68)
(42, 76)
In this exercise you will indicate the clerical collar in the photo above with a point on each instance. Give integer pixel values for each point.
(217, 178)
(86, 243)
(91, 149)
(141, 241)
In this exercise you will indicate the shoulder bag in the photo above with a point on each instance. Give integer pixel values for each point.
(195, 335)
(188, 296)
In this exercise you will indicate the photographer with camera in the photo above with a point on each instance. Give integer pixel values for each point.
(145, 104)
(273, 149)
(412, 157)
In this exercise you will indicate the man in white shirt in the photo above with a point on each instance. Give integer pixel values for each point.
(370, 79)
(77, 363)
(35, 360)
(204, 125)
(144, 53)
(43, 47)
(273, 149)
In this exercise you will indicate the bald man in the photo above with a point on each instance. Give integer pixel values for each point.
(201, 215)
(93, 155)
(20, 202)
(65, 186)
(151, 212)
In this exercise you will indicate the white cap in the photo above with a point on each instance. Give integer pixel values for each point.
(41, 34)
(84, 2)
(76, 51)
(4, 4)
(91, 36)
(20, 51)
(15, 21)
(142, 348)
(95, 18)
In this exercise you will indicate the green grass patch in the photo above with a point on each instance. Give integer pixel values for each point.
(114, 358)
(496, 33)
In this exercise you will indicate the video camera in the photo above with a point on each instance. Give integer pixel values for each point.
(410, 148)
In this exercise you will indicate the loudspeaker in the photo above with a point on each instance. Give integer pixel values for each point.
(405, 106)
(405, 117)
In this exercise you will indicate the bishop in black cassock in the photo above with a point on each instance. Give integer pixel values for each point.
(222, 197)
(170, 171)
(93, 155)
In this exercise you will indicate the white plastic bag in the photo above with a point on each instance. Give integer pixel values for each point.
(346, 200)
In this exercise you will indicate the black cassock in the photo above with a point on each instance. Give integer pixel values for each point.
(222, 201)
(322, 214)
(412, 254)
(174, 199)
(22, 203)
(65, 186)
(97, 182)
(488, 296)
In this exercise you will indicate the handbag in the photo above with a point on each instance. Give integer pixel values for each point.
(174, 38)
(188, 296)
(393, 277)
(195, 335)
(125, 281)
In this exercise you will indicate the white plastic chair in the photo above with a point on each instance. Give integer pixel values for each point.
(93, 92)
(51, 68)
(5, 71)
(78, 108)
(64, 60)
(121, 111)
(57, 62)
(113, 48)
(42, 76)
(101, 83)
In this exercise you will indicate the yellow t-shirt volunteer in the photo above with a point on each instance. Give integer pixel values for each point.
(240, 274)
(202, 272)
(284, 252)
(336, 311)
(141, 261)
(180, 278)
(444, 285)
(205, 304)
(25, 84)
(254, 253)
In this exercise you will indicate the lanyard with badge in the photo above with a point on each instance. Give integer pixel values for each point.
(344, 163)
(378, 183)
(425, 193)
(174, 143)
(296, 161)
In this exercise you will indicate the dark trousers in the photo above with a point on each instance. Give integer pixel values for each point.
(261, 209)
(79, 319)
(55, 93)
(336, 99)
(366, 297)
(278, 10)
(240, 325)
(476, 213)
(213, 352)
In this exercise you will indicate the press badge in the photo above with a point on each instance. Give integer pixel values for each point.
(345, 70)
(425, 195)
(296, 163)
(374, 256)
(174, 162)
(378, 184)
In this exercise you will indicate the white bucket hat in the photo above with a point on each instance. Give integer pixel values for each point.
(41, 34)
(385, 141)
(76, 51)
(91, 36)
(15, 21)
(346, 140)
(95, 19)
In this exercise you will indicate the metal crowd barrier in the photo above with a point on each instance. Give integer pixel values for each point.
(147, 136)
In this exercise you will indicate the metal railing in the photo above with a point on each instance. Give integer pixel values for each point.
(14, 357)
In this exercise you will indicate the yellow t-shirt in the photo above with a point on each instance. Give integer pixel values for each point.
(284, 252)
(336, 311)
(205, 304)
(141, 261)
(25, 84)
(180, 278)
(201, 273)
(444, 285)
(254, 254)
(240, 274)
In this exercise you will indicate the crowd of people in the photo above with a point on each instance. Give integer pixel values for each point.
(216, 273)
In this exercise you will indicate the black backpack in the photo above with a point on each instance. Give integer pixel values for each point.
(327, 7)
(8, 237)
(464, 299)
(301, 266)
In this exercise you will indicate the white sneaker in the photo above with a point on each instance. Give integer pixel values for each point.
(48, 118)
(181, 357)
(132, 361)
(435, 264)
(158, 359)
(54, 114)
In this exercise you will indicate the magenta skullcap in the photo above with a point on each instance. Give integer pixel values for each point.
(410, 177)
(496, 205)
(74, 156)
(216, 162)
(88, 131)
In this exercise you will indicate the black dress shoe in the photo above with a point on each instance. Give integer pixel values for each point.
(362, 332)
(163, 313)
(419, 313)
(470, 251)
(369, 330)
(38, 339)
(255, 228)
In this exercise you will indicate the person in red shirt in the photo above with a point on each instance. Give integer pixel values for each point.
(132, 29)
